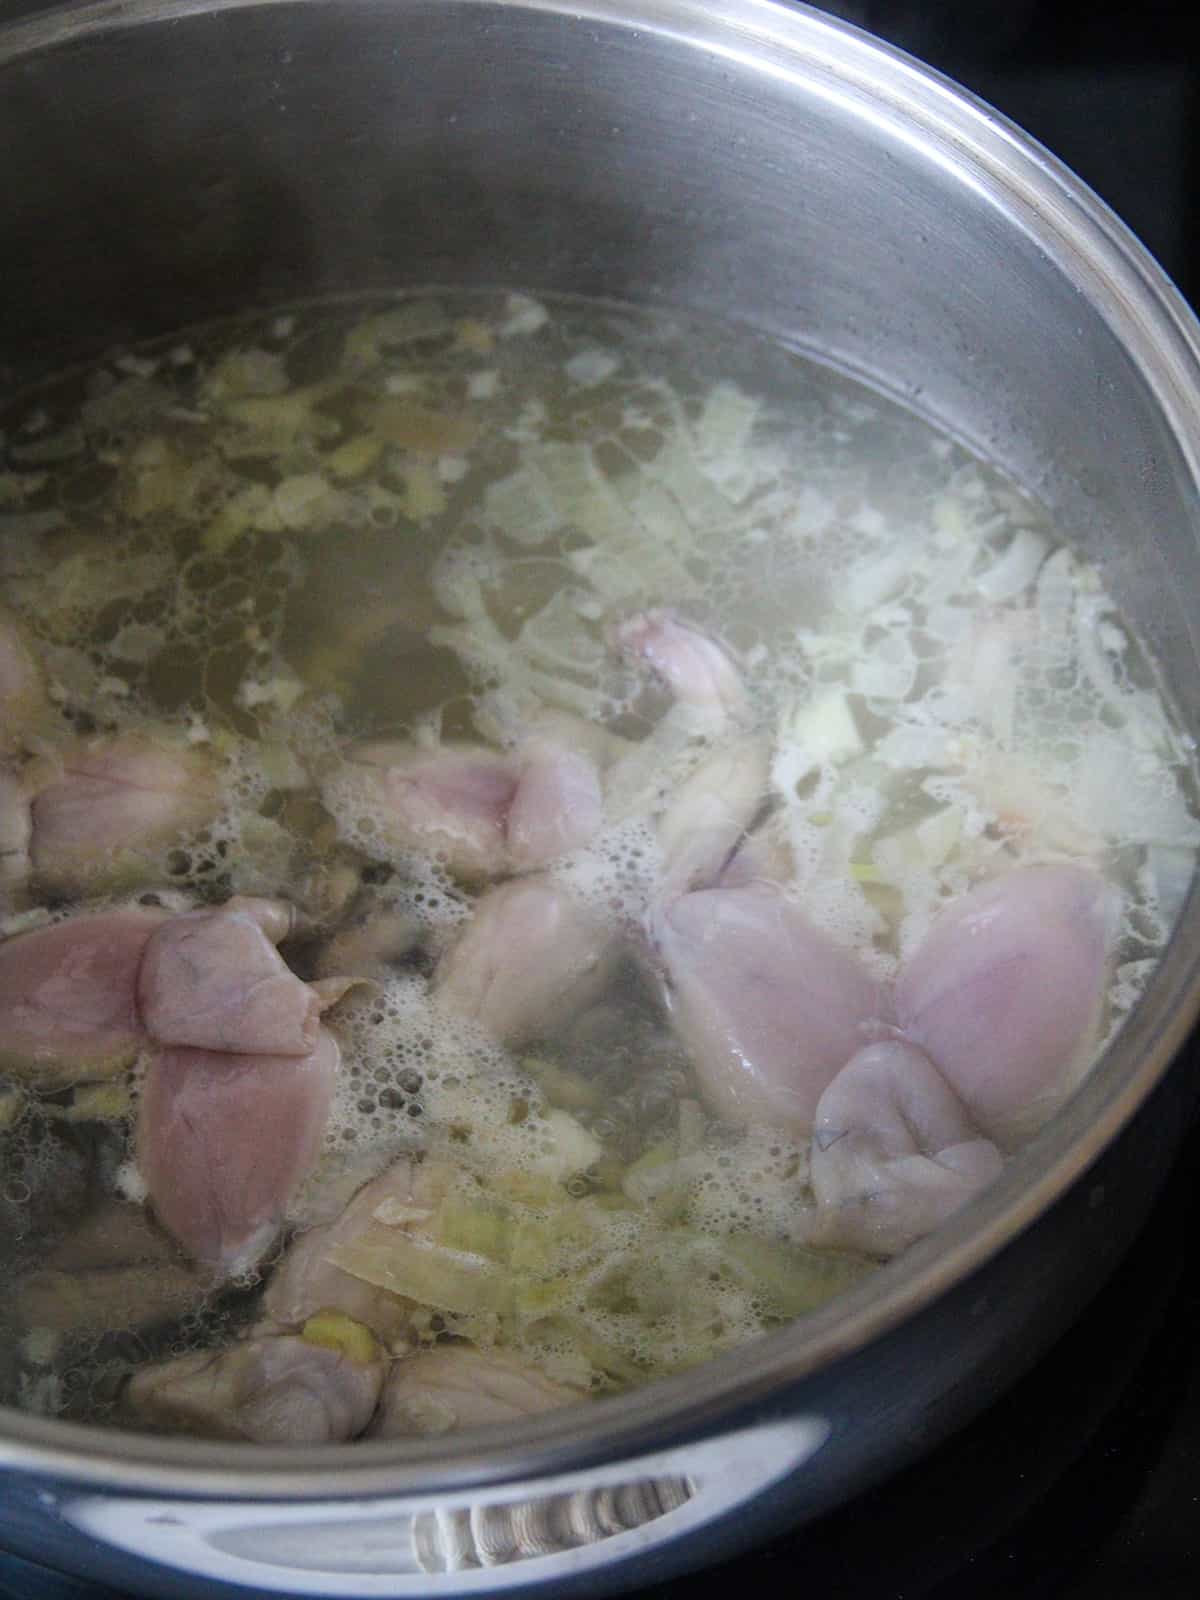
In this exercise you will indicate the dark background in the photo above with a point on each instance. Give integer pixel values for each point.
(1085, 1484)
(1110, 89)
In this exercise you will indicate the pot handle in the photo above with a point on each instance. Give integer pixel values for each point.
(506, 1537)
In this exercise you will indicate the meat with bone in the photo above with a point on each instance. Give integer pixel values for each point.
(439, 1391)
(1006, 994)
(661, 773)
(519, 725)
(894, 1152)
(484, 812)
(697, 668)
(487, 813)
(528, 960)
(213, 980)
(306, 1281)
(224, 1141)
(268, 1391)
(768, 1007)
(112, 807)
(532, 955)
(451, 801)
(707, 817)
(763, 856)
(557, 806)
(68, 996)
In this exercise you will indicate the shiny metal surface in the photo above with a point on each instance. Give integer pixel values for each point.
(165, 162)
(568, 1529)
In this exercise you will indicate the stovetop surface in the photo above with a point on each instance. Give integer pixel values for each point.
(1084, 1482)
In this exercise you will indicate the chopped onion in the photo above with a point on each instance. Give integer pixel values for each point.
(888, 672)
(591, 367)
(868, 586)
(1123, 793)
(815, 732)
(1015, 570)
(525, 316)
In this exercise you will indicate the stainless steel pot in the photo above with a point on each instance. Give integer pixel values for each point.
(162, 161)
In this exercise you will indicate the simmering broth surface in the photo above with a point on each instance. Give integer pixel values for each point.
(568, 672)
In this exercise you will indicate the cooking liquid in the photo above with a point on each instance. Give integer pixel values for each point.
(417, 519)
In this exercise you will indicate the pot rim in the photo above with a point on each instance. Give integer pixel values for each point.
(1042, 198)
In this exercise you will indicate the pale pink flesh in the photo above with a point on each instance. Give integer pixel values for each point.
(212, 980)
(763, 856)
(279, 920)
(484, 812)
(708, 815)
(224, 1141)
(1006, 993)
(68, 995)
(767, 1006)
(894, 1152)
(697, 669)
(442, 1390)
(269, 1391)
(528, 960)
(276, 918)
(306, 1281)
(116, 799)
(558, 805)
(452, 803)
(306, 1394)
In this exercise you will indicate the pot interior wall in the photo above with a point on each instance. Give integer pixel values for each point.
(159, 174)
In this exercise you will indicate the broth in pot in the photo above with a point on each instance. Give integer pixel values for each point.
(540, 843)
